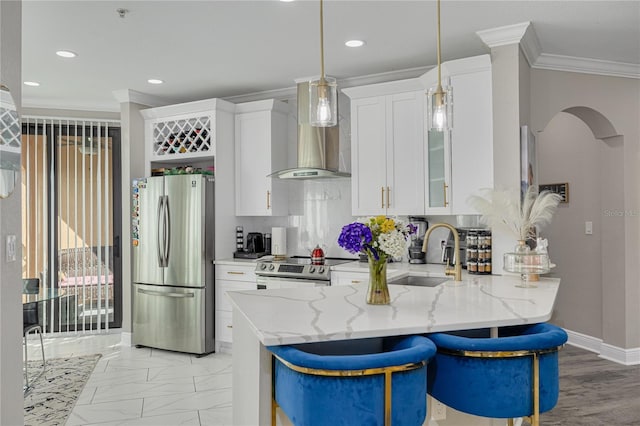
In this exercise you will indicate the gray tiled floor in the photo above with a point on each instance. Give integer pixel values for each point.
(147, 386)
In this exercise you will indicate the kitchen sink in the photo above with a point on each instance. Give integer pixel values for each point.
(420, 281)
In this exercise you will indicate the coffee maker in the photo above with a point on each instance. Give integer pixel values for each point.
(415, 249)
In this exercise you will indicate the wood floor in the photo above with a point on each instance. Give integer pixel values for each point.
(595, 392)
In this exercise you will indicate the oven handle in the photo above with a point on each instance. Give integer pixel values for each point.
(266, 282)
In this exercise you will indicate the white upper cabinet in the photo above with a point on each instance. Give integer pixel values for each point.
(183, 132)
(260, 149)
(387, 148)
(467, 150)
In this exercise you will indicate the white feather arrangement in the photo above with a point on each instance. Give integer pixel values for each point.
(504, 210)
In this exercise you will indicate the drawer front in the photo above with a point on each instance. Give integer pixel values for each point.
(224, 327)
(349, 278)
(236, 273)
(223, 286)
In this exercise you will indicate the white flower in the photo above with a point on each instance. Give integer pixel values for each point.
(392, 243)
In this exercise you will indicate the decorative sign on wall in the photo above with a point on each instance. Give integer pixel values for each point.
(559, 188)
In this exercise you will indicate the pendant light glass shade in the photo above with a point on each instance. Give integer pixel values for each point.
(323, 92)
(323, 101)
(440, 108)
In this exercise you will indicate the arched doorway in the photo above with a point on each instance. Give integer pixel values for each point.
(580, 146)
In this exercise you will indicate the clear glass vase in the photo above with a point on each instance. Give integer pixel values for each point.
(378, 292)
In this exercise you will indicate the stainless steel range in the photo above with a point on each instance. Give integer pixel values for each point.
(295, 272)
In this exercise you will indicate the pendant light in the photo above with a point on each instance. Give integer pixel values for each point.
(323, 93)
(440, 98)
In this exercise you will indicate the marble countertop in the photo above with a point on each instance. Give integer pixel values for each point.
(398, 268)
(315, 314)
(233, 261)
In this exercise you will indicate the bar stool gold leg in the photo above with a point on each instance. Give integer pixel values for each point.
(387, 398)
(536, 390)
(509, 422)
(274, 406)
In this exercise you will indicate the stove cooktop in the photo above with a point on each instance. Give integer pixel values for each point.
(298, 267)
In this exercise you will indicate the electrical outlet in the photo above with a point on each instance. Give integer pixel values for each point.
(11, 248)
(438, 410)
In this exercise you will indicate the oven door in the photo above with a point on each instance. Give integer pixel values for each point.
(267, 283)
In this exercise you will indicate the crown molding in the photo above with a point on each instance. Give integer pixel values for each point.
(522, 34)
(83, 105)
(502, 36)
(291, 92)
(133, 96)
(525, 35)
(280, 94)
(586, 66)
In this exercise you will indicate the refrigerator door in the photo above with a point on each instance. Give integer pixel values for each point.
(170, 318)
(185, 213)
(147, 255)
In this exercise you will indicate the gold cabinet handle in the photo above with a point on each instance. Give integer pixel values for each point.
(388, 192)
(235, 273)
(268, 200)
(355, 281)
(446, 203)
(382, 197)
(229, 326)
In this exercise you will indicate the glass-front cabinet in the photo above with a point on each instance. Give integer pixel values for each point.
(438, 172)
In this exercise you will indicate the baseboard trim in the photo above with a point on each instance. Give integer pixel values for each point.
(619, 355)
(126, 338)
(604, 350)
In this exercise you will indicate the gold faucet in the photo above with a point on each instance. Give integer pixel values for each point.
(457, 270)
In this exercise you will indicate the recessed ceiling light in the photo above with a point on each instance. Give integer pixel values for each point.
(66, 54)
(286, 1)
(354, 43)
(155, 81)
(31, 83)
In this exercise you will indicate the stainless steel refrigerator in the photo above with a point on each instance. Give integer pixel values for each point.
(173, 252)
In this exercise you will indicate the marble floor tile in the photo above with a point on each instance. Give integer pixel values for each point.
(220, 380)
(205, 400)
(119, 377)
(107, 412)
(216, 417)
(189, 418)
(86, 396)
(176, 371)
(120, 392)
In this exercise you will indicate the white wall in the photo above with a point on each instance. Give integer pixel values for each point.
(11, 399)
(568, 152)
(617, 100)
(132, 167)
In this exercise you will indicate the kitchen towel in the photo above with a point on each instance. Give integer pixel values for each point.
(279, 241)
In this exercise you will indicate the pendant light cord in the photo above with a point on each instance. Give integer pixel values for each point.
(321, 42)
(439, 88)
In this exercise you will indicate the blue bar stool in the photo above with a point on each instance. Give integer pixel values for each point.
(350, 384)
(513, 375)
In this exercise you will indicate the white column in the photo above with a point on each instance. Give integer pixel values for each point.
(11, 399)
(251, 392)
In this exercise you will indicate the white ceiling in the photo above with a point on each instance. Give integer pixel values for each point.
(205, 49)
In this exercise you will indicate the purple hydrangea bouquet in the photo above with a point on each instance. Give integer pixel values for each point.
(378, 237)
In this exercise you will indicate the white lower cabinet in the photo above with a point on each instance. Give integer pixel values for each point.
(230, 278)
(349, 278)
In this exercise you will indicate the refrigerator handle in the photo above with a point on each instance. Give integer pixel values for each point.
(167, 222)
(160, 230)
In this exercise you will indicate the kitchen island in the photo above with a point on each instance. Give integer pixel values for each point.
(323, 314)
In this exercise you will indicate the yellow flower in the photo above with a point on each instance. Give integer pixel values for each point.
(388, 225)
(379, 220)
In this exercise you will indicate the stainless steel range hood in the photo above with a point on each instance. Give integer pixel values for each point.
(318, 147)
